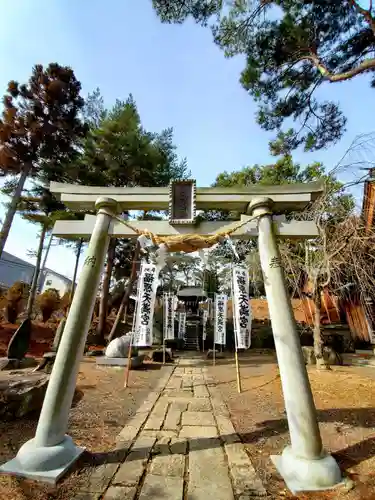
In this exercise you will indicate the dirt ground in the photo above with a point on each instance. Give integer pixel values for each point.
(345, 400)
(94, 423)
(41, 337)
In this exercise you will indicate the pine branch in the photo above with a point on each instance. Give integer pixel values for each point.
(366, 65)
(367, 14)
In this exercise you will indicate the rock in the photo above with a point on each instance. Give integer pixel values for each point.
(19, 343)
(118, 348)
(308, 355)
(136, 361)
(330, 356)
(17, 364)
(157, 356)
(95, 352)
(47, 362)
(21, 394)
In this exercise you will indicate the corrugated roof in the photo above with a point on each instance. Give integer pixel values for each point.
(12, 259)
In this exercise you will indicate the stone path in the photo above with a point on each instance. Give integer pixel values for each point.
(180, 445)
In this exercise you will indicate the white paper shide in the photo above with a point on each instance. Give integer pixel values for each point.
(241, 307)
(169, 313)
(147, 285)
(181, 325)
(220, 319)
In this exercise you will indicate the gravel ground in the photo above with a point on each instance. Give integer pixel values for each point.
(94, 423)
(345, 399)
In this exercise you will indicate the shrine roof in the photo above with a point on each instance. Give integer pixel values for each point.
(191, 291)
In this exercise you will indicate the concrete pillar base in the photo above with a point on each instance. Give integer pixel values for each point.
(43, 463)
(301, 474)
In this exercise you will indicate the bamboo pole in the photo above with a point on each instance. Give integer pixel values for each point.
(164, 324)
(129, 362)
(214, 346)
(238, 372)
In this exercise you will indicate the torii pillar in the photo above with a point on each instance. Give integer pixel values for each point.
(51, 452)
(304, 465)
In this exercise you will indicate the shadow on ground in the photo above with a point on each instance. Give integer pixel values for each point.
(347, 457)
(145, 367)
(255, 361)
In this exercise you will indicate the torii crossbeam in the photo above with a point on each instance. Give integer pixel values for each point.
(304, 465)
(293, 229)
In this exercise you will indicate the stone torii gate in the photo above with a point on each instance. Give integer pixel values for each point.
(304, 464)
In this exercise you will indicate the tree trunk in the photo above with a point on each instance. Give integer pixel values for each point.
(13, 207)
(34, 284)
(318, 341)
(103, 309)
(78, 255)
(127, 293)
(39, 286)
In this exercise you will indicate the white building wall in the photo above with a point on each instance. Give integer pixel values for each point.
(52, 280)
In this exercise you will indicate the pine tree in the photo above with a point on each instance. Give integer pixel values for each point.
(120, 152)
(42, 208)
(291, 49)
(39, 130)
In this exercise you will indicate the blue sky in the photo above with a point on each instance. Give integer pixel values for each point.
(177, 75)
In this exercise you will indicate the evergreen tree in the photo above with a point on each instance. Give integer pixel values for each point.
(301, 262)
(120, 152)
(292, 47)
(39, 130)
(41, 207)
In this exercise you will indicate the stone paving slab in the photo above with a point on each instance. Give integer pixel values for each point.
(200, 405)
(181, 444)
(200, 418)
(98, 479)
(172, 420)
(84, 495)
(168, 465)
(198, 432)
(209, 475)
(120, 493)
(162, 488)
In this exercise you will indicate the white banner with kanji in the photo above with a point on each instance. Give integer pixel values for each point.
(169, 313)
(241, 307)
(220, 328)
(181, 325)
(147, 285)
(204, 324)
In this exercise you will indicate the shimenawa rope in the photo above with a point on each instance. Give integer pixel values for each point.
(184, 242)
